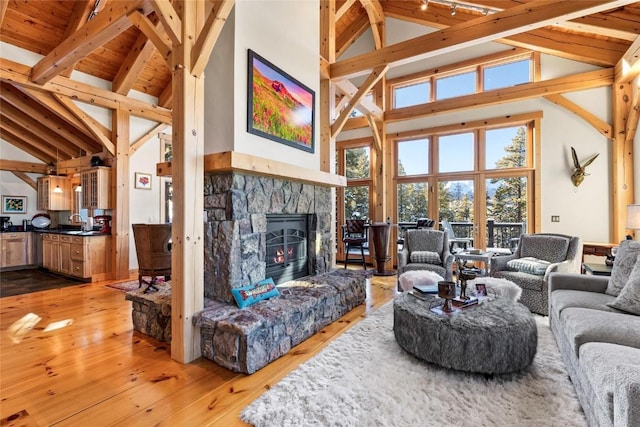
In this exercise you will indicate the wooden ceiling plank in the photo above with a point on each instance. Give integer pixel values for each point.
(3, 9)
(201, 51)
(110, 23)
(43, 122)
(159, 39)
(24, 167)
(366, 86)
(582, 81)
(135, 62)
(570, 45)
(147, 136)
(170, 20)
(89, 122)
(342, 7)
(347, 37)
(601, 31)
(601, 126)
(24, 177)
(17, 73)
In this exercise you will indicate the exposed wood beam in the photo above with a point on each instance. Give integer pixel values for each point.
(365, 105)
(137, 58)
(600, 125)
(165, 99)
(47, 101)
(376, 20)
(377, 138)
(24, 177)
(18, 132)
(24, 167)
(349, 35)
(472, 33)
(153, 33)
(147, 136)
(632, 121)
(170, 20)
(327, 55)
(209, 35)
(583, 81)
(23, 145)
(342, 7)
(89, 122)
(3, 9)
(104, 27)
(80, 15)
(629, 65)
(622, 172)
(601, 31)
(327, 36)
(14, 72)
(373, 78)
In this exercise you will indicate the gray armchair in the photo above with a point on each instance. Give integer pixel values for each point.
(418, 253)
(537, 256)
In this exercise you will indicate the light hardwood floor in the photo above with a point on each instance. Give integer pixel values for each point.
(95, 370)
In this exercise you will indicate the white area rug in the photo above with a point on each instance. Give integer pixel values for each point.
(363, 378)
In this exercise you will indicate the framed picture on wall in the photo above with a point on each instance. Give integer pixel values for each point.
(14, 204)
(279, 107)
(143, 181)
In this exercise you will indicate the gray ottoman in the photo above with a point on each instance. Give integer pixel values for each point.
(495, 337)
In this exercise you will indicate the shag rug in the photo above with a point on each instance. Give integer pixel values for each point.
(364, 378)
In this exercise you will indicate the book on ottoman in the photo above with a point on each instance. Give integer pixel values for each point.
(425, 289)
(460, 302)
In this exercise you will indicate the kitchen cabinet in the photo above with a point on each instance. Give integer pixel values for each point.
(48, 200)
(16, 249)
(77, 256)
(96, 188)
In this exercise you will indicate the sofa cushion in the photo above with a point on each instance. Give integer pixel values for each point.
(629, 298)
(626, 257)
(549, 248)
(583, 325)
(565, 298)
(599, 361)
(427, 257)
(529, 265)
(251, 294)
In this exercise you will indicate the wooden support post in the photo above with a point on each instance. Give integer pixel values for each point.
(120, 224)
(622, 160)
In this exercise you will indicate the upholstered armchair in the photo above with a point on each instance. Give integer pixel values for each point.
(537, 256)
(425, 249)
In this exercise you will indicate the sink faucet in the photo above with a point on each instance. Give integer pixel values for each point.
(82, 220)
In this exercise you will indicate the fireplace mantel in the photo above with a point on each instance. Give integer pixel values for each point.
(229, 161)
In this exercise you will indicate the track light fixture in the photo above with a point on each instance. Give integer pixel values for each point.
(455, 4)
(453, 9)
(424, 5)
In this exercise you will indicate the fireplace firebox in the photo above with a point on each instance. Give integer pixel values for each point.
(287, 256)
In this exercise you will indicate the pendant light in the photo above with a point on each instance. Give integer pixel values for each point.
(57, 189)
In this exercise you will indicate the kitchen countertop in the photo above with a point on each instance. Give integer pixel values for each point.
(72, 232)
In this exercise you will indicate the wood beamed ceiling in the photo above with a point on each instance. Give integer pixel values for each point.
(129, 44)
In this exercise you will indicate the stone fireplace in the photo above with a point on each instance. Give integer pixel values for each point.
(238, 243)
(286, 247)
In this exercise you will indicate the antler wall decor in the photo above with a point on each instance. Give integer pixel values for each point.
(579, 172)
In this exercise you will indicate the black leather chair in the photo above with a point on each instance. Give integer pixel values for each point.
(153, 249)
(355, 235)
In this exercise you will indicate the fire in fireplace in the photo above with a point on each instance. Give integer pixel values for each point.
(287, 256)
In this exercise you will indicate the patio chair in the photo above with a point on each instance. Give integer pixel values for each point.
(453, 240)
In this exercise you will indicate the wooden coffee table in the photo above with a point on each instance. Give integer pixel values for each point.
(494, 337)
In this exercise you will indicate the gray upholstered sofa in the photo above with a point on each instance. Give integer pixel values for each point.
(600, 345)
(537, 256)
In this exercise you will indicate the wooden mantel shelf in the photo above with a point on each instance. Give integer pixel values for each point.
(240, 162)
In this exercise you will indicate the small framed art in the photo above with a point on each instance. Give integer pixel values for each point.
(143, 181)
(14, 204)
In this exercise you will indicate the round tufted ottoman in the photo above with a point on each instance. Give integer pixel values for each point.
(495, 337)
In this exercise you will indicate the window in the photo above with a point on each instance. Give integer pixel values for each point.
(357, 163)
(457, 85)
(506, 75)
(413, 94)
(506, 148)
(413, 201)
(456, 152)
(413, 157)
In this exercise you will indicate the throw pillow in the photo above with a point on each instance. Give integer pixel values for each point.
(626, 257)
(425, 257)
(251, 294)
(529, 265)
(629, 298)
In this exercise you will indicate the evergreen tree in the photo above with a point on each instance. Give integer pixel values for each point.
(509, 203)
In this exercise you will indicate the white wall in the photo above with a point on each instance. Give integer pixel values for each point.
(583, 211)
(289, 39)
(11, 185)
